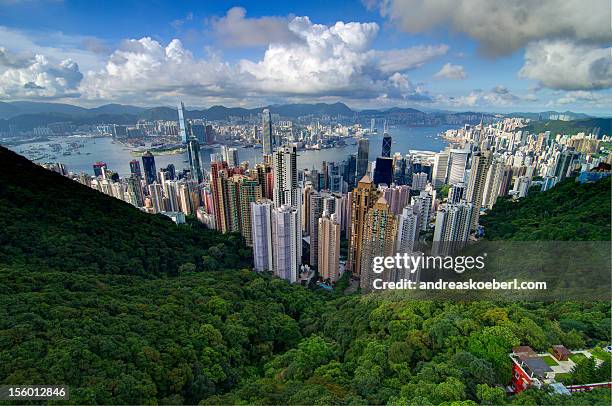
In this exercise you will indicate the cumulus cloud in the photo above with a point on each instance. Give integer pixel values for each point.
(336, 60)
(235, 29)
(568, 66)
(498, 96)
(450, 71)
(37, 76)
(584, 97)
(504, 29)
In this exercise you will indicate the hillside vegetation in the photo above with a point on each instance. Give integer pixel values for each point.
(128, 308)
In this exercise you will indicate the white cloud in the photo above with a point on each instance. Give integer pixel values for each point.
(450, 71)
(584, 97)
(568, 66)
(498, 96)
(37, 76)
(502, 28)
(235, 29)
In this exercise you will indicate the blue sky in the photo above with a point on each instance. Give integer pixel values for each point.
(462, 55)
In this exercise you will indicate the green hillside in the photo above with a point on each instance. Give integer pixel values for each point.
(568, 212)
(571, 127)
(128, 308)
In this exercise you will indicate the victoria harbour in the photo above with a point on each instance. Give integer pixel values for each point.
(118, 155)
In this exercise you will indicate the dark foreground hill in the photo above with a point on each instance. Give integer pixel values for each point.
(85, 301)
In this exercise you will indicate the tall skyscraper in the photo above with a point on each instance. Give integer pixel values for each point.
(422, 205)
(363, 149)
(379, 234)
(440, 169)
(419, 181)
(363, 198)
(478, 175)
(193, 148)
(287, 249)
(493, 184)
(135, 168)
(328, 246)
(372, 125)
(261, 225)
(286, 188)
(249, 192)
(317, 200)
(183, 125)
(148, 163)
(399, 198)
(157, 196)
(452, 227)
(386, 143)
(407, 231)
(350, 167)
(456, 193)
(457, 164)
(383, 172)
(267, 137)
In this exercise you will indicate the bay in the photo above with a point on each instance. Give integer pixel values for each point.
(117, 156)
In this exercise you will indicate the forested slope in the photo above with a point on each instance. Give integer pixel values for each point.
(195, 325)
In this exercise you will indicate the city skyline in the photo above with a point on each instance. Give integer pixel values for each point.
(380, 55)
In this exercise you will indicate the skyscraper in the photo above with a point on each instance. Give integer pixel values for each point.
(378, 241)
(286, 188)
(148, 163)
(475, 189)
(183, 125)
(383, 172)
(440, 169)
(328, 246)
(99, 168)
(135, 168)
(287, 249)
(267, 137)
(193, 148)
(407, 231)
(363, 149)
(261, 225)
(457, 163)
(250, 191)
(386, 143)
(456, 193)
(363, 197)
(316, 210)
(452, 227)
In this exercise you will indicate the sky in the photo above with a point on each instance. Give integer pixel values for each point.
(476, 55)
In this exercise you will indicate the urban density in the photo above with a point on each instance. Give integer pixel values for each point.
(296, 220)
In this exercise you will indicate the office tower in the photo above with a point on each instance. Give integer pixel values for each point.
(379, 234)
(399, 198)
(407, 231)
(99, 168)
(267, 136)
(328, 247)
(350, 166)
(363, 148)
(135, 168)
(170, 172)
(373, 125)
(400, 165)
(148, 163)
(419, 181)
(286, 188)
(452, 230)
(316, 210)
(193, 148)
(250, 191)
(156, 195)
(232, 157)
(457, 163)
(383, 172)
(287, 249)
(261, 220)
(183, 125)
(422, 205)
(475, 189)
(456, 193)
(198, 131)
(440, 169)
(363, 197)
(386, 144)
(210, 134)
(492, 184)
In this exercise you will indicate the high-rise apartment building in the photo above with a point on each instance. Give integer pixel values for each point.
(457, 163)
(440, 169)
(148, 164)
(286, 248)
(379, 234)
(476, 185)
(261, 226)
(363, 198)
(407, 231)
(453, 222)
(328, 247)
